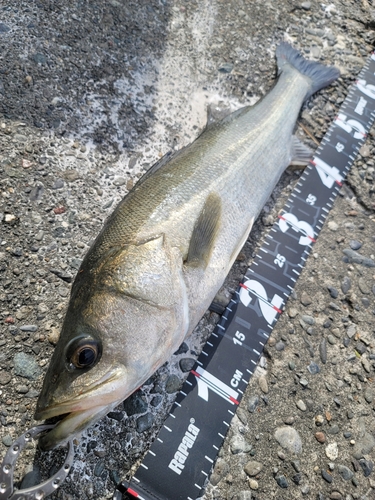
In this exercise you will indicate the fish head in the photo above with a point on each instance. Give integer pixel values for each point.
(119, 329)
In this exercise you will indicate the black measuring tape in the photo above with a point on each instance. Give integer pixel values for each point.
(179, 461)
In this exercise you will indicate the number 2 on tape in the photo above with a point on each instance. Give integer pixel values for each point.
(268, 309)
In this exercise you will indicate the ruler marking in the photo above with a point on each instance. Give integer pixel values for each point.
(271, 278)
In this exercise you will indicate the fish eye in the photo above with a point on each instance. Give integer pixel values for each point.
(83, 353)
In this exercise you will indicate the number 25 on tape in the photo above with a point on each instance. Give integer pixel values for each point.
(268, 309)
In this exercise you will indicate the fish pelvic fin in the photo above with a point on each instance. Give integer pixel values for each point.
(205, 232)
(300, 154)
(320, 75)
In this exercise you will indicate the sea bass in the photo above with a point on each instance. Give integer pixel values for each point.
(166, 249)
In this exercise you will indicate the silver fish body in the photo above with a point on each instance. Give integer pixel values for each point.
(165, 251)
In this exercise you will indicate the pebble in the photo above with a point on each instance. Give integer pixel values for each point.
(239, 445)
(367, 466)
(39, 58)
(120, 181)
(28, 328)
(333, 292)
(253, 484)
(346, 284)
(296, 464)
(31, 478)
(345, 472)
(289, 439)
(280, 346)
(187, 364)
(304, 382)
(297, 478)
(281, 481)
(145, 422)
(5, 377)
(323, 351)
(71, 175)
(308, 319)
(244, 495)
(99, 468)
(173, 384)
(4, 28)
(25, 365)
(320, 437)
(7, 440)
(332, 451)
(369, 395)
(306, 5)
(182, 349)
(292, 312)
(319, 420)
(357, 258)
(22, 389)
(253, 468)
(332, 225)
(253, 403)
(313, 368)
(355, 244)
(58, 184)
(364, 445)
(351, 330)
(135, 404)
(301, 405)
(331, 339)
(315, 51)
(326, 476)
(53, 335)
(263, 384)
(225, 67)
(334, 429)
(305, 299)
(335, 495)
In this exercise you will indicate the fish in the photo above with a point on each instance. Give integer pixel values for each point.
(165, 251)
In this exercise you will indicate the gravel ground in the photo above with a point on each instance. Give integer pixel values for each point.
(92, 93)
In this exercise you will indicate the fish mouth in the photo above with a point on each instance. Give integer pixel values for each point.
(79, 412)
(72, 425)
(84, 400)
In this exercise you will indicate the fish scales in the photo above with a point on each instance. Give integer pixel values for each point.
(229, 158)
(165, 251)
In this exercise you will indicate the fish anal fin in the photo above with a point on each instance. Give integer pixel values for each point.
(300, 153)
(205, 232)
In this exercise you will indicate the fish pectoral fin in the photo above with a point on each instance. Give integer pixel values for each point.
(205, 232)
(300, 154)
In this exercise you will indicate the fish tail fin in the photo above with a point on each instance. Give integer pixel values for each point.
(319, 74)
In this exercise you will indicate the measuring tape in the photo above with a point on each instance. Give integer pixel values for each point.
(179, 461)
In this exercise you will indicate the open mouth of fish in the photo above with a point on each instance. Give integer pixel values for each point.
(79, 413)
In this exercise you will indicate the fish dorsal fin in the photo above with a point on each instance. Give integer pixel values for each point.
(171, 155)
(300, 154)
(205, 232)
